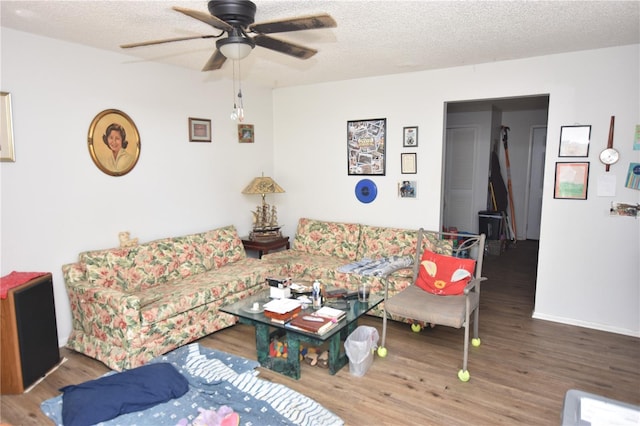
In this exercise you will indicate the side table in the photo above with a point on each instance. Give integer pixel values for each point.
(265, 246)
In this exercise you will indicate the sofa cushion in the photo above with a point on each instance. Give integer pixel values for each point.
(225, 245)
(327, 238)
(297, 264)
(130, 268)
(137, 268)
(377, 242)
(211, 287)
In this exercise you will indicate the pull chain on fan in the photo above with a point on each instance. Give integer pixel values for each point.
(238, 106)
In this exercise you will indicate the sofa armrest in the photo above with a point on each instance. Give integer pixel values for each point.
(104, 310)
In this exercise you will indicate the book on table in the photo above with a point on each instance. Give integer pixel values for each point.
(329, 312)
(282, 310)
(313, 324)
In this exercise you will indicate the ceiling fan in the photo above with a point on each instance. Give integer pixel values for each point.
(236, 19)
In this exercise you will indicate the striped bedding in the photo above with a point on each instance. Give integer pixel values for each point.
(215, 379)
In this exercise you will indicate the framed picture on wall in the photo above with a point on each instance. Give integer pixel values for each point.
(199, 130)
(245, 133)
(366, 146)
(408, 163)
(574, 141)
(407, 189)
(114, 142)
(7, 152)
(410, 136)
(572, 180)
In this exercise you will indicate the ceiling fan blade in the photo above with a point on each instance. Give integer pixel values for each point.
(168, 40)
(215, 62)
(285, 47)
(294, 24)
(205, 17)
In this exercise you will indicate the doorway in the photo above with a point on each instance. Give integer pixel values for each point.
(473, 131)
(475, 128)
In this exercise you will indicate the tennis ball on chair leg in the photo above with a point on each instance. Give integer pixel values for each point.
(415, 327)
(464, 375)
(475, 342)
(382, 352)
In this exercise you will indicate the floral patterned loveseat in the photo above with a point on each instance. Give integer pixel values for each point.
(129, 305)
(321, 249)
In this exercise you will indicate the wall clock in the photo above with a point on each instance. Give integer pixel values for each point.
(610, 155)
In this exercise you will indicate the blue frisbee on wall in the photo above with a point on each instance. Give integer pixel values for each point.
(366, 191)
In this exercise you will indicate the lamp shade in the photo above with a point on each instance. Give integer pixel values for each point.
(235, 47)
(263, 185)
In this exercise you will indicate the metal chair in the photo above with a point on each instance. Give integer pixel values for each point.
(416, 304)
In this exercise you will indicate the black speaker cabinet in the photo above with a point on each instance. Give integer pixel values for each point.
(28, 335)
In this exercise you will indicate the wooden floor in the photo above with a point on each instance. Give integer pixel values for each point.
(519, 375)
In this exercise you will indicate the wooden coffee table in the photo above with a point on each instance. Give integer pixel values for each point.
(266, 330)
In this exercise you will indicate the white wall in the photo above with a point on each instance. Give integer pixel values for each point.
(56, 203)
(588, 271)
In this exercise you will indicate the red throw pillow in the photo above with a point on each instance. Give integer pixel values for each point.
(446, 275)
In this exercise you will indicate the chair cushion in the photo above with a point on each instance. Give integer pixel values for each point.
(417, 304)
(446, 275)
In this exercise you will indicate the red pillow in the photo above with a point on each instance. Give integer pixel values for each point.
(446, 275)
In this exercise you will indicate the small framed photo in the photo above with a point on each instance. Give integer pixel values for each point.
(407, 189)
(199, 130)
(574, 141)
(408, 163)
(410, 136)
(245, 133)
(571, 181)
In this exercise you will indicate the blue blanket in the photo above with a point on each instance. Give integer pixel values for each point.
(215, 379)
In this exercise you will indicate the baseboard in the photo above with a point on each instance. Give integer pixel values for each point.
(55, 367)
(586, 324)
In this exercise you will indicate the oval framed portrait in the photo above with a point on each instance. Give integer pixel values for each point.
(114, 142)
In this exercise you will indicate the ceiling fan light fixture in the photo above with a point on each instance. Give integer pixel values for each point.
(235, 47)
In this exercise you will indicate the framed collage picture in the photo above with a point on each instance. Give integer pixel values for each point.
(366, 146)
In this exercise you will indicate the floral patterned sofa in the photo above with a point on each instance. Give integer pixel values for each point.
(321, 248)
(129, 305)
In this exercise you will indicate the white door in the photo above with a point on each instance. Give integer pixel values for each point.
(460, 156)
(536, 177)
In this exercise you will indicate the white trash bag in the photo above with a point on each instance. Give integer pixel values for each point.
(360, 346)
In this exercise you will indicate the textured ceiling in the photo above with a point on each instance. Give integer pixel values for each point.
(372, 37)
